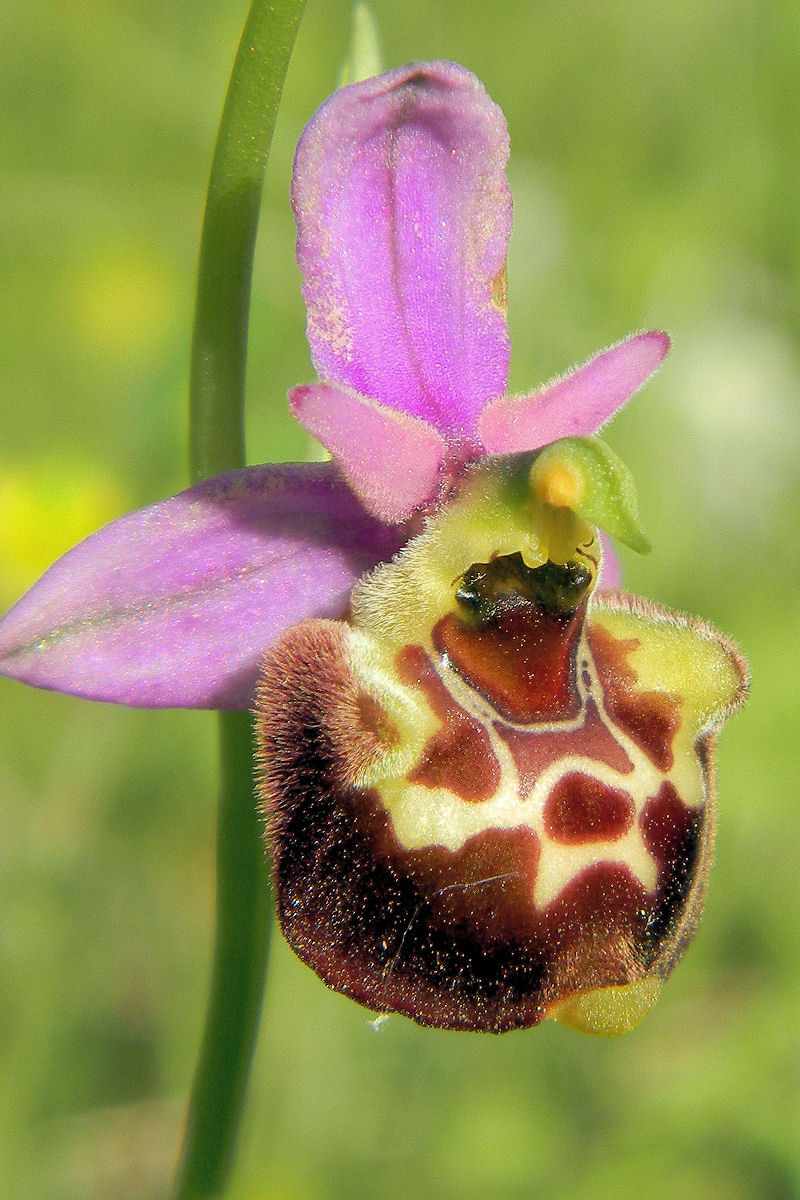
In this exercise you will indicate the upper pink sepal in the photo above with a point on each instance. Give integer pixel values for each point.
(176, 604)
(403, 217)
(577, 404)
(391, 460)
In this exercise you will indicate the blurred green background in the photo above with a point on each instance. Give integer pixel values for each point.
(655, 170)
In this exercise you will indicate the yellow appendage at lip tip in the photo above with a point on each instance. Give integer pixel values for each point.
(556, 482)
(609, 1011)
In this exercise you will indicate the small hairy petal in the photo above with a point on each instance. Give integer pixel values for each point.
(403, 216)
(391, 460)
(610, 570)
(576, 405)
(176, 604)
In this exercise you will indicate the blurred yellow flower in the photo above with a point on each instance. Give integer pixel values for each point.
(47, 507)
(124, 299)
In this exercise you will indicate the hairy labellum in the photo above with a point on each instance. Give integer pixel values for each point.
(489, 798)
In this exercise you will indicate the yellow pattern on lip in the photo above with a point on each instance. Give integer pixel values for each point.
(611, 1011)
(424, 815)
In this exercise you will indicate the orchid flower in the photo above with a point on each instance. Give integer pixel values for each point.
(487, 782)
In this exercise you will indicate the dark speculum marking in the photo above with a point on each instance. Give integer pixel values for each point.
(651, 719)
(582, 809)
(534, 754)
(459, 756)
(672, 834)
(522, 660)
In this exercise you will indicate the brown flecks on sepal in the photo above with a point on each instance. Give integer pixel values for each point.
(500, 291)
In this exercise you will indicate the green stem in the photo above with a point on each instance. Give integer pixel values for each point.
(219, 360)
(244, 923)
(219, 349)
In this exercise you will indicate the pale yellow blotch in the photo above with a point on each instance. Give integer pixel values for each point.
(500, 291)
(610, 1011)
(560, 864)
